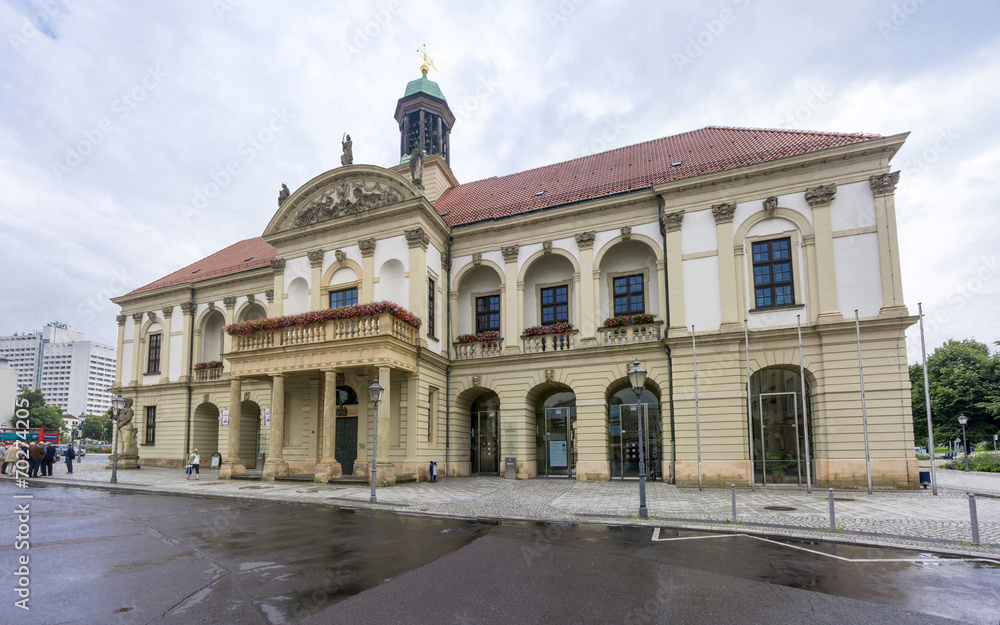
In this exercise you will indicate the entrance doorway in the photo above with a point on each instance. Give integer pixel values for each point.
(346, 446)
(484, 427)
(555, 435)
(778, 427)
(623, 434)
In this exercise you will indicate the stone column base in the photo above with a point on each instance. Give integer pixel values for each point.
(327, 470)
(274, 468)
(232, 467)
(596, 470)
(891, 312)
(385, 474)
(126, 462)
(419, 470)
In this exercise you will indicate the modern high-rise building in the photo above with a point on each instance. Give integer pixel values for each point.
(72, 373)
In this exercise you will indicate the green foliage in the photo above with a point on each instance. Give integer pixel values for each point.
(97, 427)
(985, 462)
(963, 378)
(41, 415)
(777, 463)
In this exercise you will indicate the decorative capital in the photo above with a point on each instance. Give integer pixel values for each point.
(340, 255)
(187, 308)
(884, 184)
(315, 258)
(510, 252)
(585, 240)
(771, 205)
(269, 294)
(672, 221)
(278, 266)
(477, 259)
(367, 246)
(229, 302)
(821, 195)
(167, 311)
(121, 319)
(724, 212)
(137, 317)
(417, 237)
(547, 247)
(626, 233)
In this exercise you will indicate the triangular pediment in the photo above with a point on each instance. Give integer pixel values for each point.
(341, 192)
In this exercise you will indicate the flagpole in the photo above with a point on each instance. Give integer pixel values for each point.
(805, 411)
(697, 423)
(864, 411)
(927, 399)
(746, 341)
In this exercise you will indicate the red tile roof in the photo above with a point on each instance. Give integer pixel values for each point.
(710, 149)
(243, 256)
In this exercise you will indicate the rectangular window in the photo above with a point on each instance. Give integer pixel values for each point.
(344, 297)
(630, 298)
(153, 363)
(150, 425)
(772, 274)
(430, 307)
(488, 313)
(555, 305)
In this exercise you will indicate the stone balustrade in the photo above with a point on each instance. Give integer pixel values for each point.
(334, 330)
(478, 349)
(630, 335)
(208, 375)
(549, 342)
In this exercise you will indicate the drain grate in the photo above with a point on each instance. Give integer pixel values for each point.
(780, 508)
(843, 499)
(254, 487)
(307, 490)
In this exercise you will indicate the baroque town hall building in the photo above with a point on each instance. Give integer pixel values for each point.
(502, 315)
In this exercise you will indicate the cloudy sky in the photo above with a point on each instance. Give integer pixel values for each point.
(115, 117)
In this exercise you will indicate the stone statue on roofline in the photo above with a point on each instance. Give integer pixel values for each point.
(417, 165)
(283, 194)
(347, 158)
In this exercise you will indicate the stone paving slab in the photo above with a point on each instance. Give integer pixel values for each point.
(906, 519)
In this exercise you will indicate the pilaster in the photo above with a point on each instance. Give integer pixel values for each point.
(121, 345)
(367, 270)
(187, 315)
(675, 271)
(315, 278)
(820, 198)
(276, 302)
(137, 368)
(723, 214)
(168, 312)
(588, 311)
(417, 239)
(883, 191)
(511, 316)
(227, 340)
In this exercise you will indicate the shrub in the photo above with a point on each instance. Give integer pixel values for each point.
(984, 462)
(488, 336)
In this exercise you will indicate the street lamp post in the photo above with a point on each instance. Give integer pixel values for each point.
(637, 377)
(375, 395)
(962, 420)
(117, 404)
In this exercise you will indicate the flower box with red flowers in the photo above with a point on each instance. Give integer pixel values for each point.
(312, 317)
(488, 336)
(555, 328)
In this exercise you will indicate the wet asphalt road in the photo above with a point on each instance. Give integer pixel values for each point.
(98, 557)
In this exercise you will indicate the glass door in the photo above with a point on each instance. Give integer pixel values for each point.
(624, 441)
(779, 439)
(485, 442)
(559, 442)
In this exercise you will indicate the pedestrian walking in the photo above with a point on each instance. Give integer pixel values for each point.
(69, 454)
(48, 459)
(194, 462)
(9, 458)
(35, 454)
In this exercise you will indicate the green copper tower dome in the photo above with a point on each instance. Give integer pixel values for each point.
(425, 119)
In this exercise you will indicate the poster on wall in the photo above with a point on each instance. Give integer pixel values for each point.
(224, 418)
(557, 453)
(265, 417)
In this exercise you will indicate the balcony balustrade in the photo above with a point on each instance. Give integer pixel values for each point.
(549, 342)
(383, 325)
(478, 349)
(630, 335)
(208, 375)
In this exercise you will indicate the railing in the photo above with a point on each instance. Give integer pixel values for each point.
(478, 349)
(629, 335)
(549, 342)
(208, 375)
(334, 330)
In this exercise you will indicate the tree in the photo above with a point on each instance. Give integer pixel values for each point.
(97, 427)
(963, 378)
(40, 415)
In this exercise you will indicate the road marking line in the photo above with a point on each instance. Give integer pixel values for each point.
(656, 538)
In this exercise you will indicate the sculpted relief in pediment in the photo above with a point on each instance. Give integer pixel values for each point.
(346, 198)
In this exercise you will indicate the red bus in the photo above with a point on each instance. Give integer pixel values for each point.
(48, 435)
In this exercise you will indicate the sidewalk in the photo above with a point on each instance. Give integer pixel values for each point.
(905, 519)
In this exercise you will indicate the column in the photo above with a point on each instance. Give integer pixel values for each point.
(511, 313)
(328, 468)
(723, 213)
(187, 341)
(414, 433)
(276, 301)
(819, 199)
(385, 470)
(168, 311)
(592, 461)
(588, 312)
(367, 276)
(274, 464)
(233, 465)
(227, 340)
(417, 239)
(137, 368)
(121, 346)
(883, 190)
(675, 269)
(315, 288)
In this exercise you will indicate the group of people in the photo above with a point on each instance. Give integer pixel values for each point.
(41, 456)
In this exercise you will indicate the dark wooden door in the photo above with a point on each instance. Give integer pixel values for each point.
(347, 443)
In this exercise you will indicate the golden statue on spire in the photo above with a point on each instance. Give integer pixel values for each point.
(427, 61)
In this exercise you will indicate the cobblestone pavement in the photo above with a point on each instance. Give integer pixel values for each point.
(910, 519)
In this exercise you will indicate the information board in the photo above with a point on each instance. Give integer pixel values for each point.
(557, 453)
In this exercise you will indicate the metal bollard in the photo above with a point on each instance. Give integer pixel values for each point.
(833, 517)
(732, 492)
(975, 518)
